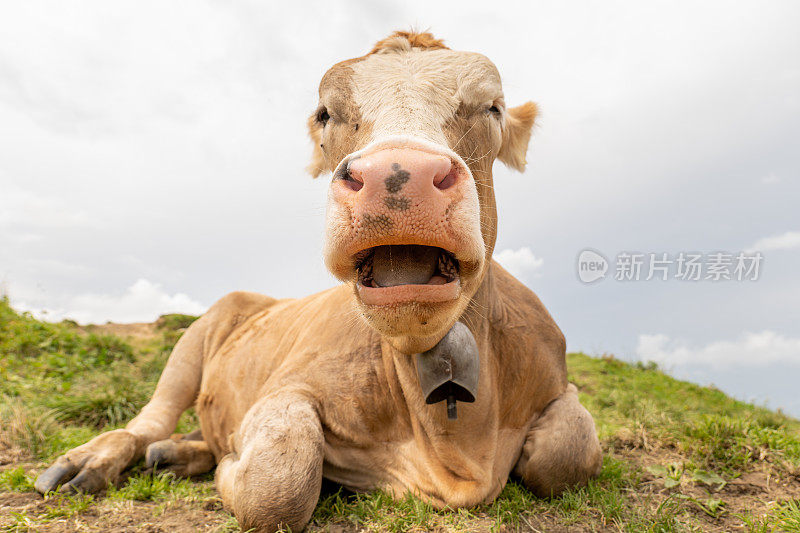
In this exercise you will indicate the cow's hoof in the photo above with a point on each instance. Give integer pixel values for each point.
(90, 468)
(183, 457)
(161, 454)
(49, 480)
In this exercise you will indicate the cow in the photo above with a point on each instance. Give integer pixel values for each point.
(346, 384)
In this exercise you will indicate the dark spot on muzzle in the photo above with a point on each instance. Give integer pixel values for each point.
(379, 222)
(396, 180)
(397, 203)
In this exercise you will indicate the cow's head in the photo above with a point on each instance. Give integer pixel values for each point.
(410, 132)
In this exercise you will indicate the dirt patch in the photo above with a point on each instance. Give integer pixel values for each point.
(753, 493)
(104, 515)
(138, 330)
(17, 500)
(9, 454)
(149, 517)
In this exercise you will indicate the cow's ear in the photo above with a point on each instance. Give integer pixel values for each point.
(317, 165)
(517, 128)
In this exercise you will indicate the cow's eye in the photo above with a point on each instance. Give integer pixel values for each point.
(322, 116)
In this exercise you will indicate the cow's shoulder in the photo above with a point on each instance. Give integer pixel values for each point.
(529, 346)
(517, 311)
(229, 313)
(238, 302)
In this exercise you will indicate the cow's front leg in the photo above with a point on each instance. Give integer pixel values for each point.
(90, 467)
(561, 449)
(272, 478)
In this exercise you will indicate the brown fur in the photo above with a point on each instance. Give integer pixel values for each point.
(345, 129)
(407, 40)
(291, 391)
(517, 134)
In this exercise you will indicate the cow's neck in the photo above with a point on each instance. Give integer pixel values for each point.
(474, 419)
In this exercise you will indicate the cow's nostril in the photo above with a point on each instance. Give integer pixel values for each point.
(352, 183)
(349, 179)
(448, 180)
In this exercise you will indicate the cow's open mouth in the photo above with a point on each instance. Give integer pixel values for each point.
(407, 272)
(406, 264)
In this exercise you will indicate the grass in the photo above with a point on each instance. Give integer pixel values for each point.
(56, 507)
(16, 479)
(788, 516)
(605, 502)
(155, 486)
(679, 457)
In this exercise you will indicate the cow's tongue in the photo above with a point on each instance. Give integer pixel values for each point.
(404, 265)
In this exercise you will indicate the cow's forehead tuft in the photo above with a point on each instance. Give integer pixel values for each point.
(462, 75)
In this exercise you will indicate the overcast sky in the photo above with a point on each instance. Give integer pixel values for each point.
(152, 156)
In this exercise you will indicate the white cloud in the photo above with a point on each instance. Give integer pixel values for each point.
(521, 263)
(751, 349)
(770, 179)
(784, 241)
(143, 301)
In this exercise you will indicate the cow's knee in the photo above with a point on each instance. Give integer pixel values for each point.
(272, 479)
(562, 449)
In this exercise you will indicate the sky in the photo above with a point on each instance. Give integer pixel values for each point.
(152, 159)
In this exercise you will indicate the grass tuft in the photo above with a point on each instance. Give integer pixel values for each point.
(26, 427)
(175, 321)
(112, 403)
(16, 480)
(733, 444)
(787, 516)
(152, 486)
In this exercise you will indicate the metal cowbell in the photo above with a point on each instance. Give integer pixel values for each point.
(450, 370)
